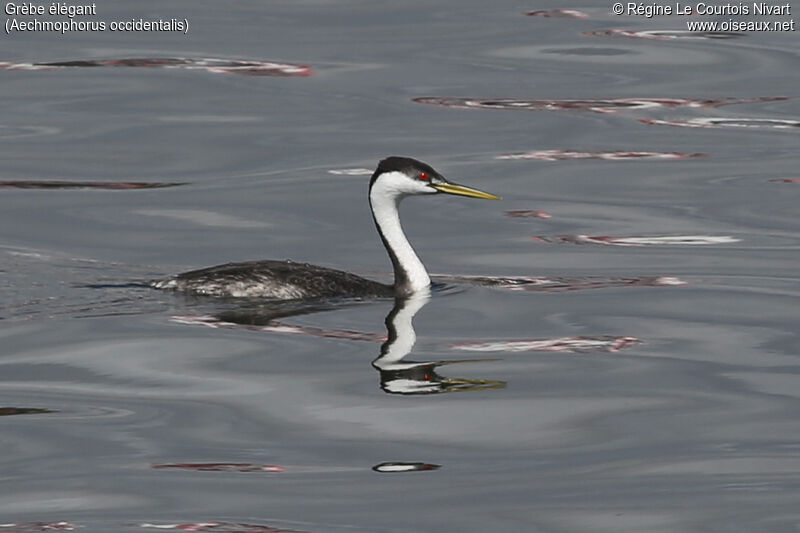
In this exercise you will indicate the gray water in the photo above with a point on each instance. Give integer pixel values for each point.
(581, 386)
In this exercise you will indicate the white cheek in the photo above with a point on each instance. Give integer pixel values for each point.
(397, 184)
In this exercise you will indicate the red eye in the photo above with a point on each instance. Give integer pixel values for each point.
(423, 176)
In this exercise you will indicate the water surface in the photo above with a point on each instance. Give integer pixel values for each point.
(628, 364)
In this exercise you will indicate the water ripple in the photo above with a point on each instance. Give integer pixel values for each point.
(714, 122)
(600, 105)
(666, 34)
(216, 66)
(580, 344)
(558, 13)
(397, 467)
(617, 155)
(58, 184)
(665, 240)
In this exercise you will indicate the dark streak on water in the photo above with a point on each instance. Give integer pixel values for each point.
(11, 411)
(217, 66)
(54, 184)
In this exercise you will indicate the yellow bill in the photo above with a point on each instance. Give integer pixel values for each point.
(461, 190)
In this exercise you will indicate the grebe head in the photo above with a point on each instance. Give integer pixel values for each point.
(394, 179)
(397, 177)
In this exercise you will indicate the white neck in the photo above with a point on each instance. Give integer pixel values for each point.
(410, 275)
(400, 329)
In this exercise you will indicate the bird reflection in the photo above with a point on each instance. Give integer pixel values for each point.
(397, 375)
(401, 376)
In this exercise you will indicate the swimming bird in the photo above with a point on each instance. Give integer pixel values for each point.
(394, 179)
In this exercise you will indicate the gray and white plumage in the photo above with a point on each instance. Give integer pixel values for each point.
(282, 280)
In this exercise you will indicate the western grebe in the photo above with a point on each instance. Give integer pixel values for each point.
(393, 179)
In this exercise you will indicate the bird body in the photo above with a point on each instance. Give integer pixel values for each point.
(281, 280)
(394, 179)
